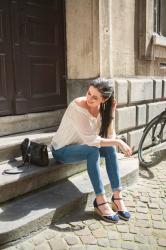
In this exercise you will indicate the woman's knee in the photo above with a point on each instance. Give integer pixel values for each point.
(108, 151)
(92, 150)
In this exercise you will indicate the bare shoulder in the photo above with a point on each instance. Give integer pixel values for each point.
(81, 101)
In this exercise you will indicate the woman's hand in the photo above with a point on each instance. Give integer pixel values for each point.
(126, 150)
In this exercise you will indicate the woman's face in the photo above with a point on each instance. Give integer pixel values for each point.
(94, 97)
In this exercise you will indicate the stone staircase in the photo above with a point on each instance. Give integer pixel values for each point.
(35, 198)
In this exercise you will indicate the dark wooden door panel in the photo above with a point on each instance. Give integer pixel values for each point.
(40, 56)
(6, 71)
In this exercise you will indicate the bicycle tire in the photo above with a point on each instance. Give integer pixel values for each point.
(142, 149)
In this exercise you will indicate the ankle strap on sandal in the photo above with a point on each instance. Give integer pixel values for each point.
(102, 203)
(113, 198)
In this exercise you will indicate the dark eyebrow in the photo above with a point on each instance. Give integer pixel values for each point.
(93, 95)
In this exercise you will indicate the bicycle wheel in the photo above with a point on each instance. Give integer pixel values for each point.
(149, 150)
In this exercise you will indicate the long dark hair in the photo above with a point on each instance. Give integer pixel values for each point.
(105, 87)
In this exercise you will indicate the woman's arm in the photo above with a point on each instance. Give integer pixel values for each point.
(104, 142)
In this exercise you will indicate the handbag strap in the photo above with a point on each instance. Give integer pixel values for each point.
(28, 154)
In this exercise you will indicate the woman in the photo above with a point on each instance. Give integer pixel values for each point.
(86, 133)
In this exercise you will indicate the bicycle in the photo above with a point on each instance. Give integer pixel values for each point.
(152, 141)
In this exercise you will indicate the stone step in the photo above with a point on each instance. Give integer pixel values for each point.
(10, 145)
(28, 122)
(33, 177)
(32, 212)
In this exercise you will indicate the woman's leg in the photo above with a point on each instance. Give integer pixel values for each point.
(112, 166)
(75, 153)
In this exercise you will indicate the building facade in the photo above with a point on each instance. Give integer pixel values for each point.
(124, 41)
(50, 50)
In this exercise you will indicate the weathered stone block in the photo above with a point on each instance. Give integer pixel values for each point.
(121, 91)
(134, 138)
(155, 109)
(141, 115)
(125, 118)
(140, 90)
(164, 88)
(158, 88)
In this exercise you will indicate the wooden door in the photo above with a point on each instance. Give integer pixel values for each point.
(6, 64)
(38, 55)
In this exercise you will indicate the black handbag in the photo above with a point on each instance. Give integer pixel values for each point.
(32, 152)
(35, 153)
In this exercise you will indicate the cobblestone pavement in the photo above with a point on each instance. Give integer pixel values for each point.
(146, 230)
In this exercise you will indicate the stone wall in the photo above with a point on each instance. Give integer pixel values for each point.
(82, 35)
(139, 100)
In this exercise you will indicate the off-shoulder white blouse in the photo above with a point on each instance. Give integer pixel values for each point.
(78, 126)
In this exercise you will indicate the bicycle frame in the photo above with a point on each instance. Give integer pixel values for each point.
(160, 117)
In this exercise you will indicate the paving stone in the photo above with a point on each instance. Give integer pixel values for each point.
(82, 232)
(141, 238)
(156, 211)
(71, 240)
(88, 240)
(99, 233)
(146, 247)
(153, 205)
(156, 217)
(131, 209)
(115, 244)
(146, 231)
(79, 247)
(89, 222)
(141, 216)
(162, 242)
(103, 242)
(95, 226)
(141, 204)
(58, 244)
(142, 210)
(43, 246)
(133, 229)
(144, 199)
(128, 245)
(111, 227)
(158, 224)
(123, 228)
(159, 233)
(127, 236)
(49, 234)
(142, 223)
(162, 204)
(95, 247)
(113, 235)
(152, 240)
(129, 203)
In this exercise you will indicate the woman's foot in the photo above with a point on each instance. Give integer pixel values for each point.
(119, 206)
(103, 209)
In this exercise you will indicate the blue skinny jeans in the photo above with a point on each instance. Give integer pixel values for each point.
(75, 153)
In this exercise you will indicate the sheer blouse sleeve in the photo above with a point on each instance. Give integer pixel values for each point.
(85, 126)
